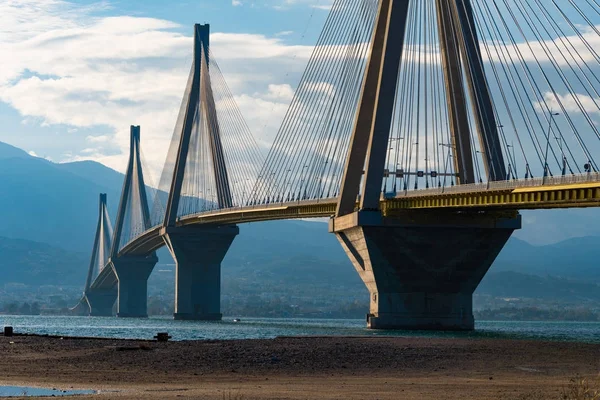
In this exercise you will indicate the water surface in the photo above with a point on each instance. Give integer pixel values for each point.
(266, 328)
(27, 391)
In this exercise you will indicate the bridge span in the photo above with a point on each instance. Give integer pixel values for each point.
(419, 130)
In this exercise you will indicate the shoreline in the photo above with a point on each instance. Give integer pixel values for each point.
(507, 337)
(298, 367)
(251, 328)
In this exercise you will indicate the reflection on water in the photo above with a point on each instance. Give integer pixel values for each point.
(265, 328)
(26, 391)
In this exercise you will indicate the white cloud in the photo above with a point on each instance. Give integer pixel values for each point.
(64, 64)
(317, 4)
(571, 103)
(285, 33)
(280, 92)
(98, 139)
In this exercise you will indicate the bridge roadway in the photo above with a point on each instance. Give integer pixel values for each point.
(538, 193)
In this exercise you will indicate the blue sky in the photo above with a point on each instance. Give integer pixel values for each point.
(76, 74)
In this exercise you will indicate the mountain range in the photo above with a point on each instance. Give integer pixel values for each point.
(49, 212)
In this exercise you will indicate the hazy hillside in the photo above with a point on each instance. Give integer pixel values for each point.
(542, 227)
(57, 203)
(514, 284)
(577, 258)
(46, 202)
(96, 173)
(8, 151)
(35, 264)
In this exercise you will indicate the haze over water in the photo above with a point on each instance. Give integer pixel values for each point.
(267, 328)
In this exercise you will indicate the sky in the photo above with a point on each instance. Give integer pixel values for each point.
(74, 75)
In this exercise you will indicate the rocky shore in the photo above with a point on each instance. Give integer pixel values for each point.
(300, 368)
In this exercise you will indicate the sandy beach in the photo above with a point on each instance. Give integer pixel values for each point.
(299, 368)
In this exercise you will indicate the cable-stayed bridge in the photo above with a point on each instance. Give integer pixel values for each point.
(420, 128)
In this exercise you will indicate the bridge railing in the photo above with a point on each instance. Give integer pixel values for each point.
(502, 185)
(470, 188)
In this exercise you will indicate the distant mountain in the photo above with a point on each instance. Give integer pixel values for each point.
(285, 239)
(94, 172)
(51, 203)
(57, 204)
(8, 151)
(291, 252)
(512, 284)
(36, 264)
(541, 227)
(577, 258)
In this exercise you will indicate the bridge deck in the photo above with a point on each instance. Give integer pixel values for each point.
(540, 193)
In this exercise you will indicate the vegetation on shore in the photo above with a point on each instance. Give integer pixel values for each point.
(578, 388)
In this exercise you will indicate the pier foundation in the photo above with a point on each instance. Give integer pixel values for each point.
(133, 273)
(101, 302)
(198, 252)
(421, 269)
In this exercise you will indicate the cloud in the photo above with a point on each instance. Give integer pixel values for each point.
(281, 92)
(285, 33)
(576, 103)
(64, 64)
(317, 4)
(98, 139)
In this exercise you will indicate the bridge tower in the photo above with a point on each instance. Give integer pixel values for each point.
(132, 270)
(421, 268)
(198, 250)
(100, 298)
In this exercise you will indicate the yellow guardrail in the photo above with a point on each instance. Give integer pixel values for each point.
(541, 193)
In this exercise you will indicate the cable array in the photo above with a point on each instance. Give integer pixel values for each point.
(307, 158)
(541, 66)
(223, 157)
(141, 190)
(102, 244)
(542, 77)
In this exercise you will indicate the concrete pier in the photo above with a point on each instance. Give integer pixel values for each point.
(101, 302)
(198, 252)
(422, 269)
(133, 273)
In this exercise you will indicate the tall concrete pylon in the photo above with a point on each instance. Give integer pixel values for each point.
(199, 99)
(198, 250)
(421, 268)
(132, 271)
(100, 299)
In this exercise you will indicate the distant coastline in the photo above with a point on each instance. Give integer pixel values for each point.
(538, 314)
(521, 314)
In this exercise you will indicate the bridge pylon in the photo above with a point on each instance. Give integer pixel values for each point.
(100, 299)
(198, 250)
(421, 268)
(132, 271)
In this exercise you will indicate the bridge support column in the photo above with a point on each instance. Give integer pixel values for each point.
(198, 252)
(101, 302)
(422, 269)
(133, 273)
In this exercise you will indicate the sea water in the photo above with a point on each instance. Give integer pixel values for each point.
(266, 328)
(28, 391)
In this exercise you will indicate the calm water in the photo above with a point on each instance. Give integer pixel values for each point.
(26, 391)
(255, 328)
